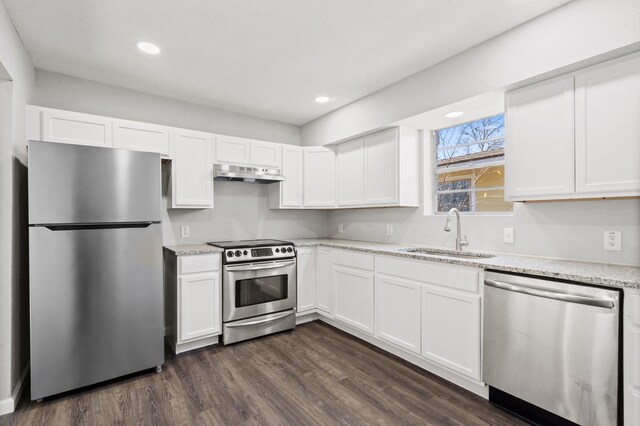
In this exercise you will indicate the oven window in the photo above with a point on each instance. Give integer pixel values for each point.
(255, 291)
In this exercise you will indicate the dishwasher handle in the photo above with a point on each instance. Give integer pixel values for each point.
(571, 298)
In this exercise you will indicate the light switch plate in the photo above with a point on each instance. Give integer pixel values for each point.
(184, 231)
(509, 235)
(613, 240)
(340, 228)
(389, 229)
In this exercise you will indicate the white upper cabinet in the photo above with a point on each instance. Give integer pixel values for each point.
(608, 128)
(288, 194)
(192, 169)
(380, 170)
(138, 136)
(350, 170)
(74, 127)
(540, 141)
(265, 154)
(576, 136)
(242, 151)
(232, 150)
(319, 177)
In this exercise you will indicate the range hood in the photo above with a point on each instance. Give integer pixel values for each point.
(250, 174)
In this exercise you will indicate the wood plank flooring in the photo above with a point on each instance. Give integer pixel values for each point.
(314, 375)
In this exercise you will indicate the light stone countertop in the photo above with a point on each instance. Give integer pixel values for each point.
(186, 249)
(602, 274)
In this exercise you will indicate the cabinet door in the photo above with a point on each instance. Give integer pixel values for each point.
(319, 177)
(232, 150)
(350, 173)
(76, 128)
(291, 188)
(398, 312)
(199, 304)
(192, 169)
(306, 279)
(608, 128)
(354, 297)
(381, 165)
(540, 141)
(451, 329)
(141, 137)
(324, 281)
(265, 154)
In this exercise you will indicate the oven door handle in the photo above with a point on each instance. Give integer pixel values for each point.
(254, 267)
(262, 321)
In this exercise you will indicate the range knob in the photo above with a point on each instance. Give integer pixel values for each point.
(238, 253)
(245, 252)
(229, 253)
(277, 250)
(289, 249)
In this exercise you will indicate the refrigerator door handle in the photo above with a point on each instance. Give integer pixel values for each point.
(67, 227)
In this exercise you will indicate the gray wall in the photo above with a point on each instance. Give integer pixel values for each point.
(16, 90)
(572, 229)
(240, 212)
(76, 94)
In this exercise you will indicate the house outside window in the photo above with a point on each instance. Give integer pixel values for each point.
(469, 167)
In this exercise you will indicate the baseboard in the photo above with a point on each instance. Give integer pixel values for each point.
(8, 405)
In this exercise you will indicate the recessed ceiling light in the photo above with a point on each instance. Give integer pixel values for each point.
(454, 114)
(322, 99)
(149, 48)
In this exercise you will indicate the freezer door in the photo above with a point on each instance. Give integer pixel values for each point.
(86, 184)
(96, 305)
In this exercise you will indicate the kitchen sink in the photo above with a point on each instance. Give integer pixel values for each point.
(448, 253)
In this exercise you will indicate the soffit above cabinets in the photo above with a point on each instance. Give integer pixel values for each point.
(267, 59)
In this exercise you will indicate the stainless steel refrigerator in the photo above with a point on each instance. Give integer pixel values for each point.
(95, 265)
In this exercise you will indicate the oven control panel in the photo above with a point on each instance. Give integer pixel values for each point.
(235, 255)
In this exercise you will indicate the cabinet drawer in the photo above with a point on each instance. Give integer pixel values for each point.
(198, 263)
(353, 260)
(457, 277)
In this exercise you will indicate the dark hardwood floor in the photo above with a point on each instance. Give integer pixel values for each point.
(314, 375)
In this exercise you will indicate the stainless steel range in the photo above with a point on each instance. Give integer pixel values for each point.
(258, 288)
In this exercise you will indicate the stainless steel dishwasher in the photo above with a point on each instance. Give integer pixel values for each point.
(553, 347)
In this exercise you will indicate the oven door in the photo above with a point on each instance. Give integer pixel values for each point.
(253, 289)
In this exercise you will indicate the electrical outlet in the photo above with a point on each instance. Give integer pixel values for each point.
(340, 228)
(184, 231)
(389, 229)
(509, 235)
(613, 240)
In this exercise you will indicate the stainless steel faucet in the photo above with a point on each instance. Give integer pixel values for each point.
(460, 242)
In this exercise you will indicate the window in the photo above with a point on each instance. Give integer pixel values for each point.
(469, 167)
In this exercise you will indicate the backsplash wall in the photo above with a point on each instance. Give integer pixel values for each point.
(240, 212)
(571, 229)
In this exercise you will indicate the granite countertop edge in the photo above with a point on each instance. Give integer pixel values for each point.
(187, 249)
(602, 274)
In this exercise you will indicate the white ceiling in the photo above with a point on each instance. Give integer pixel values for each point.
(481, 106)
(264, 58)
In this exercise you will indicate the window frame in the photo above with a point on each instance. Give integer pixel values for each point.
(470, 166)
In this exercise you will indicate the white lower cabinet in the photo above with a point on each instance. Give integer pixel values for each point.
(631, 357)
(324, 281)
(193, 300)
(197, 293)
(354, 297)
(306, 274)
(397, 311)
(451, 329)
